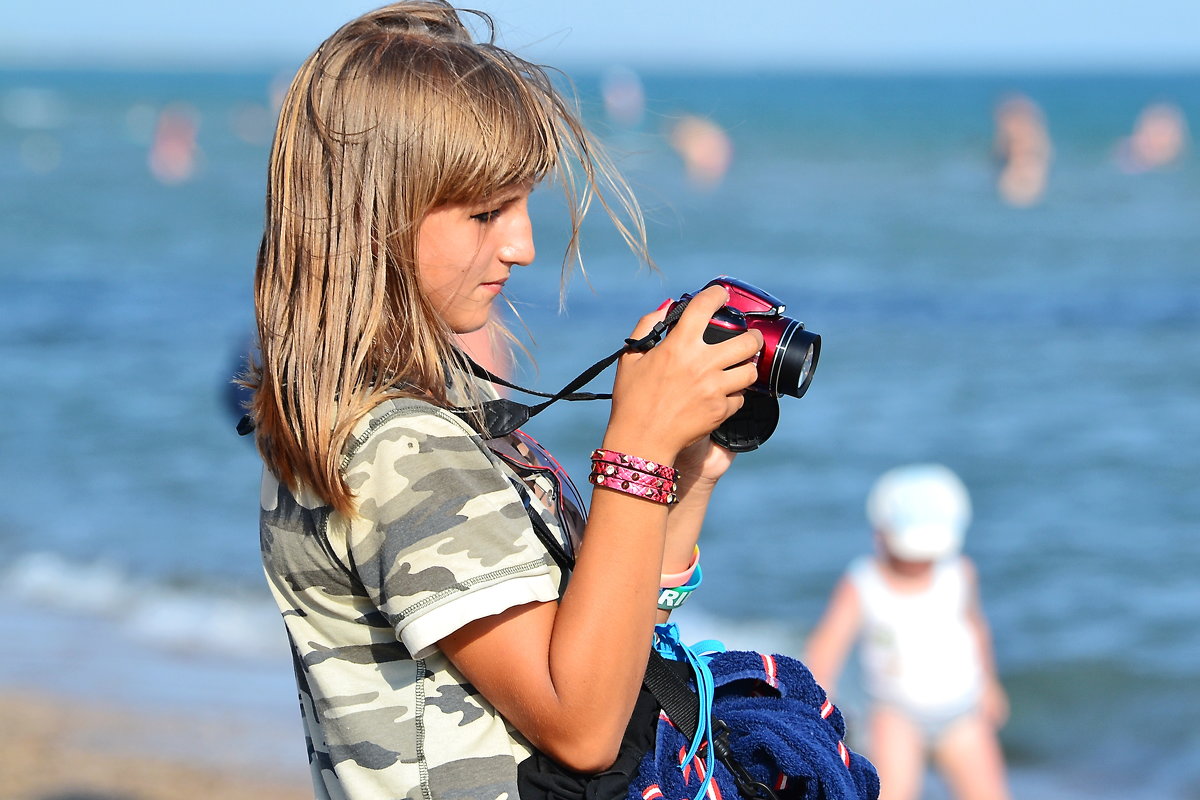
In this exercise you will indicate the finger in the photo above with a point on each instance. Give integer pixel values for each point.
(735, 403)
(736, 379)
(701, 308)
(647, 323)
(740, 348)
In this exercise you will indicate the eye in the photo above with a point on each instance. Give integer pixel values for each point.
(486, 216)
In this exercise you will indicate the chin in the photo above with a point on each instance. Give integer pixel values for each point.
(465, 327)
(466, 330)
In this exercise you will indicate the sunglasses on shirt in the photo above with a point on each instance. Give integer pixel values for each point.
(547, 479)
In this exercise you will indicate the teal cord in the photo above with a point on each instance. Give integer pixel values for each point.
(669, 645)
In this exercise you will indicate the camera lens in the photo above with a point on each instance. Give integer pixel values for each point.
(795, 360)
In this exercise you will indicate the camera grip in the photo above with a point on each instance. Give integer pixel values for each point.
(726, 323)
(718, 333)
(755, 421)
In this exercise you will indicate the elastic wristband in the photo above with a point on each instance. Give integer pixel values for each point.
(670, 599)
(634, 462)
(670, 581)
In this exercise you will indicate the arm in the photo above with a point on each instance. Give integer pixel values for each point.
(833, 636)
(567, 674)
(700, 465)
(995, 699)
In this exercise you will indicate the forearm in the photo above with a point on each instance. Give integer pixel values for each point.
(685, 520)
(683, 523)
(602, 633)
(602, 630)
(825, 655)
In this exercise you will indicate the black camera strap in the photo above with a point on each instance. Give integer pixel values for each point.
(502, 417)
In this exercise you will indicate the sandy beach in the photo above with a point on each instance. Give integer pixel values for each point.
(53, 748)
(90, 711)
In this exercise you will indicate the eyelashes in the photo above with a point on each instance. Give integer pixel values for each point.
(486, 216)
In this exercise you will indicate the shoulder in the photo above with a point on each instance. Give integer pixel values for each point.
(969, 575)
(869, 584)
(960, 568)
(405, 416)
(405, 434)
(408, 453)
(862, 571)
(956, 578)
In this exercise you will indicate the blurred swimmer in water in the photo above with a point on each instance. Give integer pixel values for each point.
(705, 148)
(1022, 147)
(624, 97)
(1158, 139)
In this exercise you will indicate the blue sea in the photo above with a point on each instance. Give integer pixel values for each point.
(1049, 354)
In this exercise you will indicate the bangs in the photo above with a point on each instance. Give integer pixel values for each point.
(503, 126)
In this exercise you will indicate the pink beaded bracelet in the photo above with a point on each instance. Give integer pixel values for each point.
(677, 579)
(614, 472)
(648, 488)
(633, 462)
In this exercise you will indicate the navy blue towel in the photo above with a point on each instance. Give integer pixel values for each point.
(783, 731)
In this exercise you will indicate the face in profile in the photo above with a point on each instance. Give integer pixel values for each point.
(466, 252)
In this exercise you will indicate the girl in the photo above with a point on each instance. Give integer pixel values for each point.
(436, 643)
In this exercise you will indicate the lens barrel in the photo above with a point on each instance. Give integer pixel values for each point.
(789, 354)
(794, 360)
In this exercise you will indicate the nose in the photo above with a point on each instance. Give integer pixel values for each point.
(518, 248)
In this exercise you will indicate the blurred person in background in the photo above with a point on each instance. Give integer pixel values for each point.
(1022, 148)
(1158, 139)
(705, 148)
(914, 610)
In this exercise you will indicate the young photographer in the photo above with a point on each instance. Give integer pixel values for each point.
(436, 642)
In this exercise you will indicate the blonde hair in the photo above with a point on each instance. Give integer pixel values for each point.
(397, 113)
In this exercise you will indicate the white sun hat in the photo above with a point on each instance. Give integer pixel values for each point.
(921, 510)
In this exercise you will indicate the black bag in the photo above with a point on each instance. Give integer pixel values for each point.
(540, 777)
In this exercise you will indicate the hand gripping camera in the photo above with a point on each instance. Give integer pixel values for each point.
(785, 364)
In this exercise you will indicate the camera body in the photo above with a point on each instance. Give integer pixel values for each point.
(789, 353)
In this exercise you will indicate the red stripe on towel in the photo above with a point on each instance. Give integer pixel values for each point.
(771, 669)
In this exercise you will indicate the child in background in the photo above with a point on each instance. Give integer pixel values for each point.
(925, 645)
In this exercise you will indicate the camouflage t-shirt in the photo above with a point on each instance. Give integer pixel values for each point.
(443, 539)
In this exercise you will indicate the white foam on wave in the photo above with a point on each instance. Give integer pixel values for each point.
(49, 579)
(182, 620)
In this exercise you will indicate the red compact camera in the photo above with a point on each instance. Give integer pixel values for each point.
(789, 353)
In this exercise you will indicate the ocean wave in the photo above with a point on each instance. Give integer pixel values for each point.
(196, 619)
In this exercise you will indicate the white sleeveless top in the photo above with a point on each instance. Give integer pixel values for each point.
(918, 651)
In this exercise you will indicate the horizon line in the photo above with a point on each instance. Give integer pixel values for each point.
(912, 67)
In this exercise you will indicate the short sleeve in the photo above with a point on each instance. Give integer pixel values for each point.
(442, 537)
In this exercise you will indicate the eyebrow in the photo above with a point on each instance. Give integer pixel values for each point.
(508, 194)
